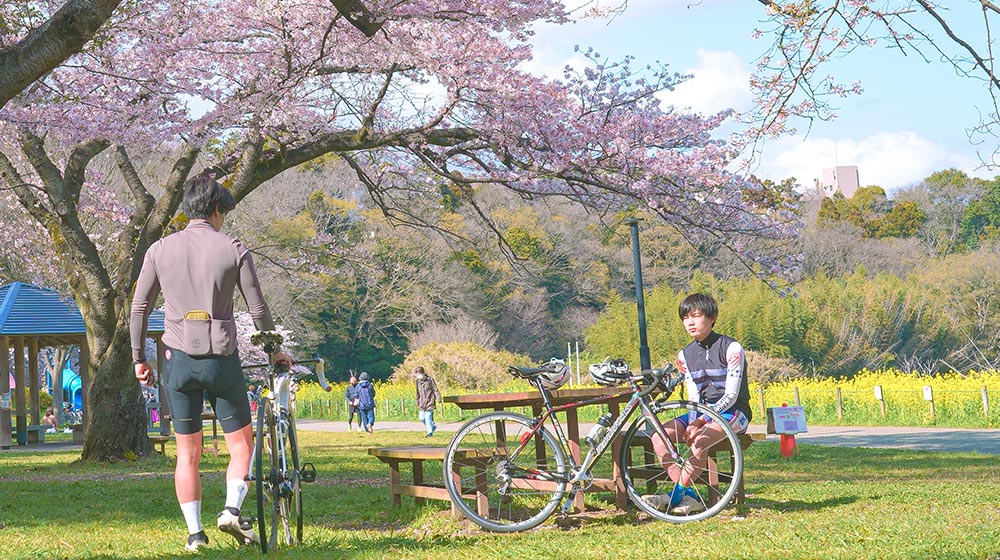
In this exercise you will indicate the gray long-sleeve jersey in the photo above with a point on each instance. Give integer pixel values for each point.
(197, 269)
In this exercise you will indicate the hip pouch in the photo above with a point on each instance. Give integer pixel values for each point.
(203, 336)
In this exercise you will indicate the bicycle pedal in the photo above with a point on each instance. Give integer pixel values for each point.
(307, 473)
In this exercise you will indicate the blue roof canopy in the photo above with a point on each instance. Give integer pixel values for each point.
(28, 310)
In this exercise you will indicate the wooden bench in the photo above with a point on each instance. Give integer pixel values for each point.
(723, 447)
(715, 473)
(36, 434)
(77, 433)
(415, 455)
(160, 441)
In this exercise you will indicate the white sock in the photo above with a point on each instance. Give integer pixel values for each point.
(192, 516)
(236, 490)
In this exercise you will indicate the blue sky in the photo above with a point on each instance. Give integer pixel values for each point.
(910, 121)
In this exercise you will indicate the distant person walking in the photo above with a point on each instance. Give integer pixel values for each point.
(351, 396)
(366, 402)
(427, 397)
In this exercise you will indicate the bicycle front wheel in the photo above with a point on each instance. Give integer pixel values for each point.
(500, 476)
(650, 469)
(279, 485)
(288, 514)
(262, 452)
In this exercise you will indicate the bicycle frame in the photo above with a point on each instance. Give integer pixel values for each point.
(278, 483)
(282, 398)
(580, 473)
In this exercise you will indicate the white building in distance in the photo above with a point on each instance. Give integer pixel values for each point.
(843, 178)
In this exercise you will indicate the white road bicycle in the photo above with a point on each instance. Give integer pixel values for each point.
(276, 469)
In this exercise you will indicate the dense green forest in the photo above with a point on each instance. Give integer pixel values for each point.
(910, 281)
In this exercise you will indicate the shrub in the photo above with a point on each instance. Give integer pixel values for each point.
(765, 369)
(463, 365)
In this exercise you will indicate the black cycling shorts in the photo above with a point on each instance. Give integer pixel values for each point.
(187, 379)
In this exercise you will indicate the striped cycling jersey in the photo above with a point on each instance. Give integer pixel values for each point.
(715, 373)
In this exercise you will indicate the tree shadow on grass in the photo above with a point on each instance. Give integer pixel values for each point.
(785, 506)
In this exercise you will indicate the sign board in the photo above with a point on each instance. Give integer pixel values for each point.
(878, 392)
(928, 393)
(5, 401)
(786, 420)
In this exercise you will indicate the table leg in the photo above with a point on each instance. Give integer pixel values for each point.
(621, 496)
(573, 434)
(394, 483)
(418, 478)
(539, 442)
(456, 479)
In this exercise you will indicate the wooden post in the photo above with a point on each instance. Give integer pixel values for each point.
(20, 408)
(760, 397)
(35, 406)
(5, 400)
(986, 403)
(929, 397)
(840, 406)
(798, 401)
(881, 400)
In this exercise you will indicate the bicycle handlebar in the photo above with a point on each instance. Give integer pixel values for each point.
(320, 370)
(658, 375)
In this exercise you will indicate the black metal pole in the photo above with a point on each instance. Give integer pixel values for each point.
(644, 361)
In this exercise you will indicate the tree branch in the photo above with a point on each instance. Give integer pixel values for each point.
(358, 15)
(49, 44)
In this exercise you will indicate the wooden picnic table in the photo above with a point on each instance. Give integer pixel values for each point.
(504, 401)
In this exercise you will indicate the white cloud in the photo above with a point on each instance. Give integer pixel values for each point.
(721, 81)
(888, 159)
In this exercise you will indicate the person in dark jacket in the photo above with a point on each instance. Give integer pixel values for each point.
(366, 402)
(427, 397)
(351, 396)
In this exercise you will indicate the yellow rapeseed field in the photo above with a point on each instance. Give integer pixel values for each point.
(958, 398)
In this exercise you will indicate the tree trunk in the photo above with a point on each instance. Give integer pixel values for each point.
(116, 422)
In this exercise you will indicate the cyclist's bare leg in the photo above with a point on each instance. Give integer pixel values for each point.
(240, 446)
(707, 436)
(674, 429)
(187, 480)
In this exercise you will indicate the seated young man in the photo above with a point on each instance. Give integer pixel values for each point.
(715, 374)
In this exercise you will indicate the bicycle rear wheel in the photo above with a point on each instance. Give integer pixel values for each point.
(286, 521)
(644, 474)
(279, 487)
(262, 468)
(498, 484)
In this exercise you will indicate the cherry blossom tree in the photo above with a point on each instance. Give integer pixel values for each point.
(792, 84)
(431, 92)
(33, 42)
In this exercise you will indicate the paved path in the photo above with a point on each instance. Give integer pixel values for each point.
(929, 439)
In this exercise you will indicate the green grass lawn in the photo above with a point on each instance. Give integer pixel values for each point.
(826, 503)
